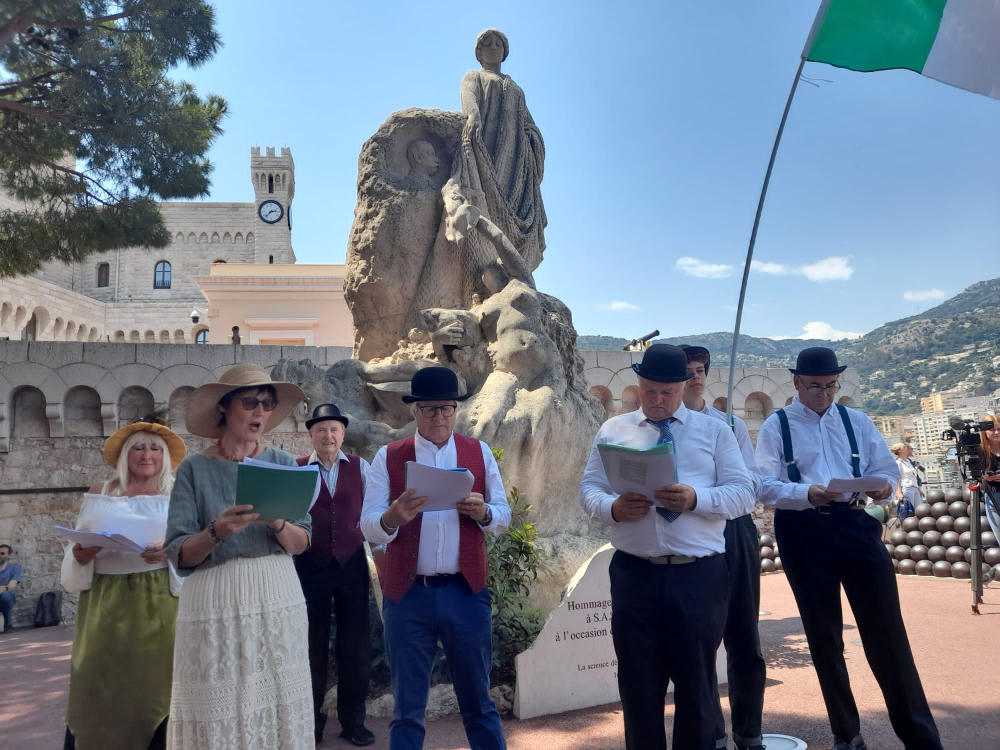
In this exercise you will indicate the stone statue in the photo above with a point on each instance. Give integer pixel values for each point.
(448, 229)
(503, 155)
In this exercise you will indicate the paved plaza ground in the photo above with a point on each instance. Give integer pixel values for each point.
(958, 656)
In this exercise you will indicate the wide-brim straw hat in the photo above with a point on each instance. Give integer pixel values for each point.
(175, 445)
(202, 417)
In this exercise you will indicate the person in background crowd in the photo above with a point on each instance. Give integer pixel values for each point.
(10, 577)
(435, 566)
(989, 453)
(123, 642)
(908, 492)
(747, 671)
(669, 580)
(335, 568)
(828, 541)
(241, 659)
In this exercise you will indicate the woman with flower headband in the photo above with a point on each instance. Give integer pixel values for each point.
(123, 644)
(241, 662)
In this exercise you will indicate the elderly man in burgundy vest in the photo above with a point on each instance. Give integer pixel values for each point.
(335, 568)
(435, 566)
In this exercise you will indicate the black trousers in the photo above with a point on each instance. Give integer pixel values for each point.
(820, 553)
(746, 669)
(667, 623)
(342, 590)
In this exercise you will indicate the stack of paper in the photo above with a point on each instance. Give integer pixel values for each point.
(277, 491)
(104, 539)
(636, 470)
(443, 488)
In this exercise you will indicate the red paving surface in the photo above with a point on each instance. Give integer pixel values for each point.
(958, 656)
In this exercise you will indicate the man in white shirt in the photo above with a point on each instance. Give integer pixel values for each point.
(745, 661)
(435, 566)
(669, 582)
(828, 541)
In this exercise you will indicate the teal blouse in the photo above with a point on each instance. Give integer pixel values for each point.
(203, 488)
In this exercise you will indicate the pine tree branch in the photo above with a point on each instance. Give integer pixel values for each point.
(25, 18)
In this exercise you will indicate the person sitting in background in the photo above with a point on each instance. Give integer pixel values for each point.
(10, 576)
(123, 643)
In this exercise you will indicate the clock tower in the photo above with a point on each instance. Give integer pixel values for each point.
(273, 180)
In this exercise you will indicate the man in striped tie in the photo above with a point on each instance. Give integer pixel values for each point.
(669, 581)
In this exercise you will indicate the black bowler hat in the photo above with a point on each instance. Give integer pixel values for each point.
(691, 351)
(434, 384)
(325, 412)
(817, 360)
(664, 363)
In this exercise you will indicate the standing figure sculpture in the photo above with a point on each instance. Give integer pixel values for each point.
(503, 155)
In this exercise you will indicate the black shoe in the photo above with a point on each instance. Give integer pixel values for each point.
(750, 747)
(858, 743)
(358, 735)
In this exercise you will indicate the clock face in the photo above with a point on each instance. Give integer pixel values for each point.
(270, 211)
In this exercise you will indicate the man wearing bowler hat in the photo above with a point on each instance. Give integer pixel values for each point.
(334, 570)
(434, 584)
(745, 661)
(669, 581)
(827, 541)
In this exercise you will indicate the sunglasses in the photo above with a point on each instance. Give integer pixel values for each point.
(250, 403)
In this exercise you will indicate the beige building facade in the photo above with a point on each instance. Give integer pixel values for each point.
(278, 304)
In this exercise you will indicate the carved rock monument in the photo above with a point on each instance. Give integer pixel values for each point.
(448, 228)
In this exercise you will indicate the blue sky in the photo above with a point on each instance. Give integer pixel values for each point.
(658, 120)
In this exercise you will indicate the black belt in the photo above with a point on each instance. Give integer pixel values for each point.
(434, 582)
(672, 559)
(831, 508)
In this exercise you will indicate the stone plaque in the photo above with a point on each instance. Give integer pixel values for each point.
(572, 662)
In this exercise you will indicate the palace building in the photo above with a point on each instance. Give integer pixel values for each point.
(156, 295)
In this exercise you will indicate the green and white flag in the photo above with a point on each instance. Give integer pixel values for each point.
(953, 41)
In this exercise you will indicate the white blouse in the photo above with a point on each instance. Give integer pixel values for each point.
(907, 474)
(142, 518)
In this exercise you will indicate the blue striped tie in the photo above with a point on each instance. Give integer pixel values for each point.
(666, 436)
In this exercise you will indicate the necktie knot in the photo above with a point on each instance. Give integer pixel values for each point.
(666, 436)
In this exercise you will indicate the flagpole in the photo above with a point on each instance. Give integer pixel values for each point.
(753, 240)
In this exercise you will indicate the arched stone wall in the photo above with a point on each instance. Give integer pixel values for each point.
(28, 413)
(134, 403)
(82, 412)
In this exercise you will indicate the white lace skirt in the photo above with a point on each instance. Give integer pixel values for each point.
(241, 660)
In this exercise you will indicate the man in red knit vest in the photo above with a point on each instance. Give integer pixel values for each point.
(335, 570)
(435, 566)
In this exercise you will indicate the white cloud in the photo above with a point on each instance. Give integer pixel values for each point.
(618, 306)
(834, 268)
(819, 330)
(828, 269)
(775, 269)
(700, 269)
(921, 295)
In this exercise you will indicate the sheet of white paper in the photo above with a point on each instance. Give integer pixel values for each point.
(115, 542)
(307, 467)
(861, 484)
(638, 471)
(442, 487)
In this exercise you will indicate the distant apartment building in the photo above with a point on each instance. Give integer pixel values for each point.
(933, 404)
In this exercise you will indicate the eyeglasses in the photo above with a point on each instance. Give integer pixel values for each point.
(815, 388)
(447, 410)
(250, 403)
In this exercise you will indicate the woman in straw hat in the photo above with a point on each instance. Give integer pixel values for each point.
(123, 644)
(241, 661)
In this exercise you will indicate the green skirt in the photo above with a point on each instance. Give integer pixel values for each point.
(122, 667)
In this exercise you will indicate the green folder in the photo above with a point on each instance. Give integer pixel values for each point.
(282, 492)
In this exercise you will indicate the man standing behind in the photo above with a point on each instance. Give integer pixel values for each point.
(335, 568)
(435, 566)
(669, 582)
(746, 667)
(828, 541)
(10, 576)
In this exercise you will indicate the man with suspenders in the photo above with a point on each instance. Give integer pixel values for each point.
(828, 541)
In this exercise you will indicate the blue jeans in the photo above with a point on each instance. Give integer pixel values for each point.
(7, 599)
(462, 622)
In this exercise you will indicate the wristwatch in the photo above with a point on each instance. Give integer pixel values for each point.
(489, 516)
